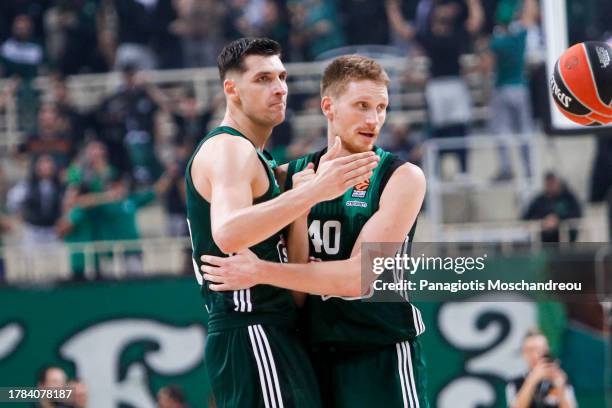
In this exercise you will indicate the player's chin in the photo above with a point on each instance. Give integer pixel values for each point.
(277, 117)
(278, 120)
(365, 145)
(361, 147)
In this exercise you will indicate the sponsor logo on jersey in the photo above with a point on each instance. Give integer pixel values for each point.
(360, 190)
(356, 204)
(604, 56)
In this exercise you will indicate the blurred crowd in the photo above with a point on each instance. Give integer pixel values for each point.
(90, 172)
(54, 378)
(79, 36)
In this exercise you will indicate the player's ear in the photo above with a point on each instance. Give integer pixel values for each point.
(326, 107)
(229, 88)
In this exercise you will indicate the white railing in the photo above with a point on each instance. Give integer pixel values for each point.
(100, 259)
(171, 256)
(481, 152)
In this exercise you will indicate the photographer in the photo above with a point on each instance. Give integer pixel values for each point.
(545, 385)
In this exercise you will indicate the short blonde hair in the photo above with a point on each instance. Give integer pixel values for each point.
(347, 68)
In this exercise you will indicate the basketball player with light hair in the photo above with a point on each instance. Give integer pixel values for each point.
(365, 354)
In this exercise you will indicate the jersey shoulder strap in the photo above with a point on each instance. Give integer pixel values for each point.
(297, 165)
(395, 163)
(265, 158)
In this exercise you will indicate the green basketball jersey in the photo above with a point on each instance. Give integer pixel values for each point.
(261, 304)
(333, 228)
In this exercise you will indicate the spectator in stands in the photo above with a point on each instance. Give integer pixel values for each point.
(200, 43)
(120, 218)
(258, 18)
(444, 35)
(357, 14)
(52, 136)
(70, 30)
(171, 396)
(20, 55)
(174, 199)
(91, 175)
(192, 122)
(315, 27)
(555, 204)
(38, 200)
(126, 123)
(545, 384)
(92, 183)
(400, 15)
(136, 20)
(60, 96)
(51, 377)
(103, 58)
(511, 115)
(165, 43)
(110, 215)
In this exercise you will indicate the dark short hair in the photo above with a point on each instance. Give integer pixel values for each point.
(233, 54)
(347, 68)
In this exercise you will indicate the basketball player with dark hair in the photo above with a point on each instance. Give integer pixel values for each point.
(365, 354)
(234, 203)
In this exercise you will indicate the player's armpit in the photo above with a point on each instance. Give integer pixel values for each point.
(281, 174)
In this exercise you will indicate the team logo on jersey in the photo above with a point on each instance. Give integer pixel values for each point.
(360, 190)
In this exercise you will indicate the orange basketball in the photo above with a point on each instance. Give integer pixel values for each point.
(581, 84)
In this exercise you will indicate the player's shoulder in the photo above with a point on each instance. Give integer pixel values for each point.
(225, 142)
(409, 172)
(224, 147)
(406, 178)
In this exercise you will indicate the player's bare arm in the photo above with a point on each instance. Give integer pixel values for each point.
(399, 206)
(297, 236)
(236, 223)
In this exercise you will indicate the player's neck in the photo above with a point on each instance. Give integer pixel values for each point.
(259, 135)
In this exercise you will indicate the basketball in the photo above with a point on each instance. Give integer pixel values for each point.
(581, 84)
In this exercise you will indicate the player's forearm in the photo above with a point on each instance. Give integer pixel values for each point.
(335, 278)
(248, 226)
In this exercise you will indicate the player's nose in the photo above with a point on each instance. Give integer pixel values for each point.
(280, 87)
